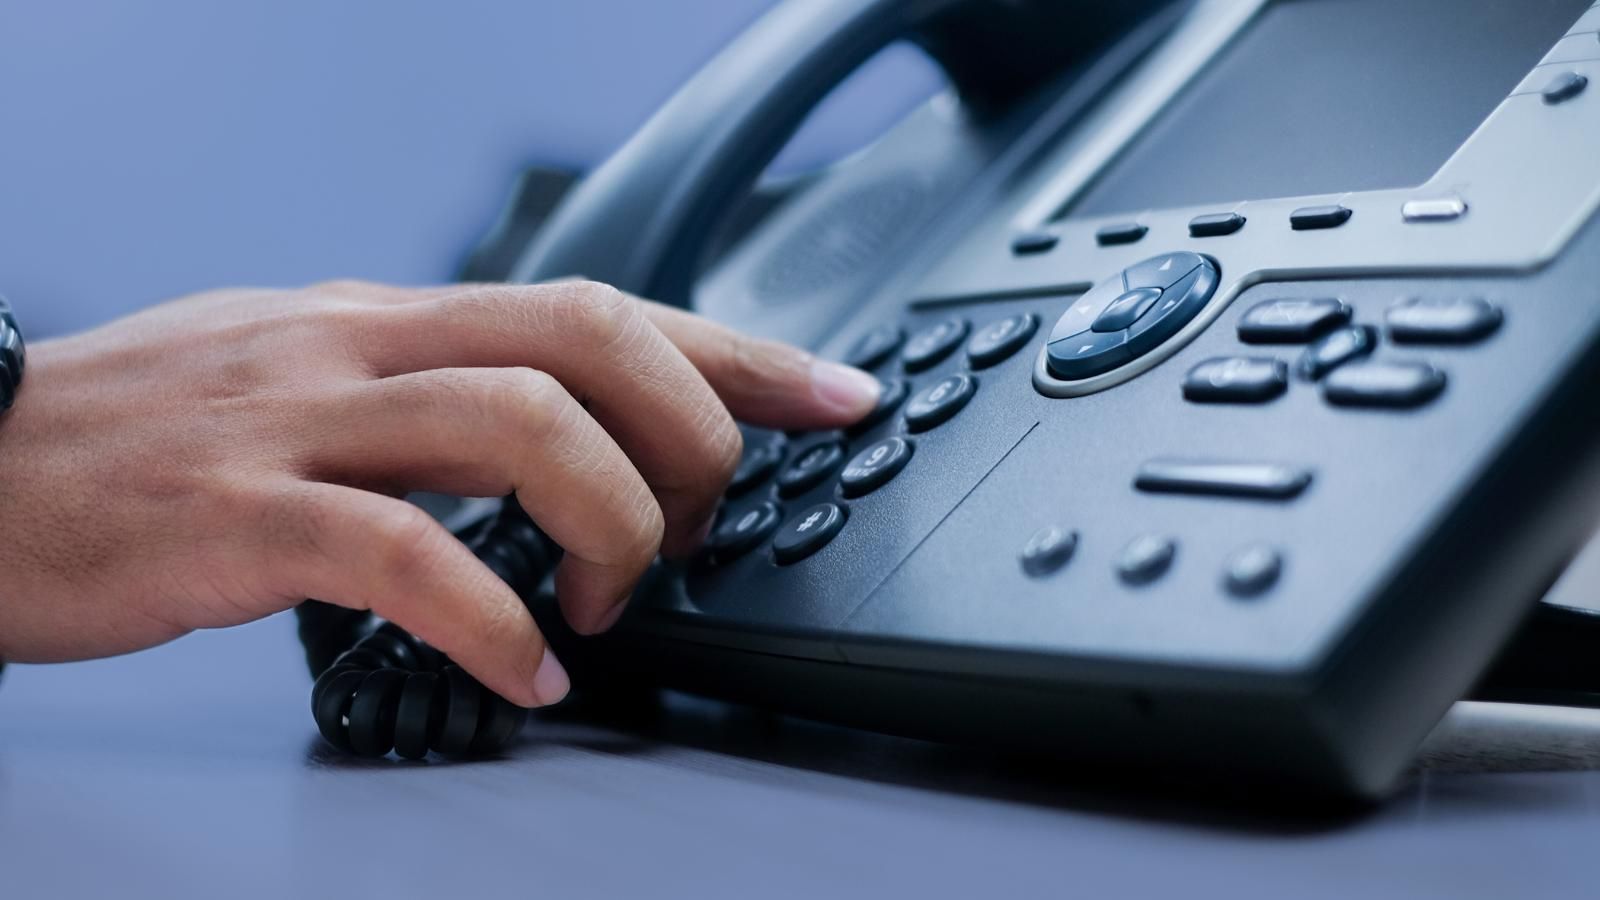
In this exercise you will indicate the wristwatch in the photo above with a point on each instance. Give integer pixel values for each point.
(13, 355)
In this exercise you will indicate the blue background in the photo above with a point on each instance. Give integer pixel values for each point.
(152, 149)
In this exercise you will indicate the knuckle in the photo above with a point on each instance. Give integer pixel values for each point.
(727, 447)
(650, 528)
(527, 402)
(344, 286)
(597, 314)
(407, 540)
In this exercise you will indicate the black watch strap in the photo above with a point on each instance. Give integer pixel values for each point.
(13, 356)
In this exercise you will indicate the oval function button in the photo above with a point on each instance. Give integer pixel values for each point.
(807, 533)
(810, 468)
(1048, 550)
(1308, 218)
(1251, 571)
(739, 535)
(1215, 224)
(874, 466)
(1119, 233)
(996, 341)
(1336, 348)
(939, 401)
(928, 346)
(1292, 320)
(873, 348)
(1564, 87)
(1434, 209)
(1236, 379)
(1441, 320)
(1270, 481)
(1146, 558)
(1031, 242)
(1395, 385)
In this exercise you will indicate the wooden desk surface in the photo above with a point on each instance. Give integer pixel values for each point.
(194, 771)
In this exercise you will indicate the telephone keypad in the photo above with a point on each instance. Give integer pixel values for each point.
(807, 532)
(926, 348)
(873, 467)
(937, 403)
(810, 468)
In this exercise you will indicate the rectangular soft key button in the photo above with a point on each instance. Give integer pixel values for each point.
(1223, 479)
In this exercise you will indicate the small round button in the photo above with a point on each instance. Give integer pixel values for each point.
(890, 396)
(739, 535)
(939, 401)
(810, 468)
(1250, 571)
(807, 533)
(873, 467)
(928, 346)
(999, 339)
(757, 465)
(1048, 550)
(1145, 559)
(877, 345)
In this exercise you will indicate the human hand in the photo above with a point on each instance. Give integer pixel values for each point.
(220, 458)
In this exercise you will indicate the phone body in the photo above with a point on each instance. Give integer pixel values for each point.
(1244, 357)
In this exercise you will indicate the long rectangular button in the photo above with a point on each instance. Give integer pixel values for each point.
(1225, 479)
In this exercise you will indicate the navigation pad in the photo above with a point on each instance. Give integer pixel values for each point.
(1129, 314)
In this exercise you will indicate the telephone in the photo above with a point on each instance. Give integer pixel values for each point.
(1239, 358)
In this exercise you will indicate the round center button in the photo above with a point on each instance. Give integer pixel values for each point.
(807, 533)
(873, 467)
(939, 401)
(810, 468)
(739, 535)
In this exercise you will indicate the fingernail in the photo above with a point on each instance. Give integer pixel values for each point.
(611, 617)
(844, 387)
(550, 683)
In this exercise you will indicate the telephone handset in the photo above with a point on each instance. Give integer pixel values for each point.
(1228, 422)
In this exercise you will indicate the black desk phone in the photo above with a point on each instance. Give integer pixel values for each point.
(1240, 362)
